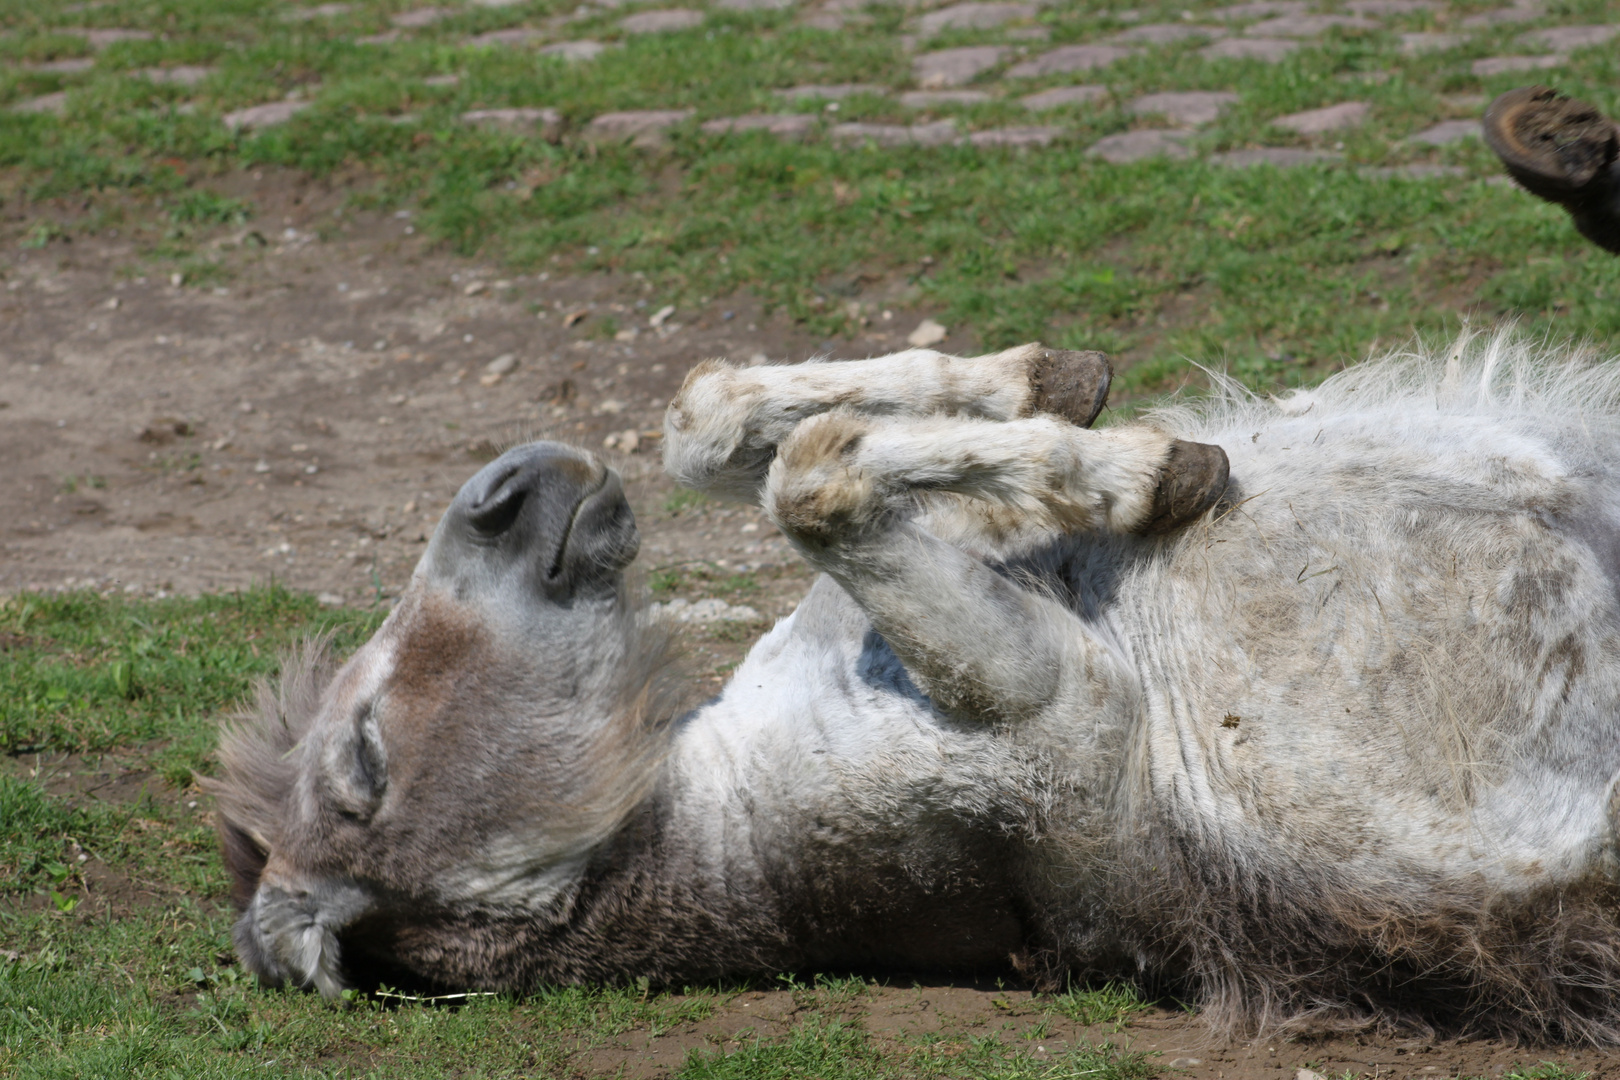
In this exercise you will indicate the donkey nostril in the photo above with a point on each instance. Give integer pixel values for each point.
(496, 511)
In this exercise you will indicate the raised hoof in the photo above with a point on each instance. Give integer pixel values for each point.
(1192, 479)
(1564, 151)
(1071, 384)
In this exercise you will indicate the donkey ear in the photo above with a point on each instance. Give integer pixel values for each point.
(244, 858)
(357, 764)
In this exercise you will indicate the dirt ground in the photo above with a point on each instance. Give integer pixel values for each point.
(308, 418)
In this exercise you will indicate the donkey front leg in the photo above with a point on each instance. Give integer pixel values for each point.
(979, 644)
(723, 428)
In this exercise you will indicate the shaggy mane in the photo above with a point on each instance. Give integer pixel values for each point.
(1502, 373)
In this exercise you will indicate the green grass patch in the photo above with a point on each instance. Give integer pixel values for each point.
(82, 673)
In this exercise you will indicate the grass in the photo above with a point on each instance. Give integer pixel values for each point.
(1279, 274)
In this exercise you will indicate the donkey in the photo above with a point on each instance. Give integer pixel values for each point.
(1305, 709)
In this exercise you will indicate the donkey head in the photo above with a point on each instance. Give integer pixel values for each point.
(465, 761)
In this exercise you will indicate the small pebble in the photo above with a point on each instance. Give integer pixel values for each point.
(928, 333)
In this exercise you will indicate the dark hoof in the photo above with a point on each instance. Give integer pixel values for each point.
(1192, 479)
(1564, 151)
(1070, 384)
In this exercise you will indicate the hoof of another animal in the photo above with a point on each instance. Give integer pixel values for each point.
(1192, 479)
(1564, 151)
(1071, 384)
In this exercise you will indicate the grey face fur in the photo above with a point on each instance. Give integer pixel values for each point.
(449, 763)
(1344, 751)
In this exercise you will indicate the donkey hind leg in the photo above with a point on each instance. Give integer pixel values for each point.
(723, 428)
(977, 643)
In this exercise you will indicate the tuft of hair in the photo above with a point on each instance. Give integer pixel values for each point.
(1500, 373)
(259, 762)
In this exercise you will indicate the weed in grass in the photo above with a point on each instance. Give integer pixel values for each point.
(1112, 1003)
(198, 206)
(41, 234)
(34, 829)
(89, 481)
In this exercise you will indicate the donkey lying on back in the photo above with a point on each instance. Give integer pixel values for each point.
(1334, 742)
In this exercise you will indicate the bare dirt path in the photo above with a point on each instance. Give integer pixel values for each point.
(308, 417)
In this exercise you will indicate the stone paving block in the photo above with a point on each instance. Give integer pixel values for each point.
(639, 127)
(546, 123)
(1130, 146)
(101, 39)
(261, 116)
(1447, 132)
(1282, 157)
(1166, 33)
(1014, 136)
(954, 67)
(927, 99)
(935, 134)
(499, 3)
(49, 103)
(754, 5)
(442, 80)
(1028, 33)
(1389, 7)
(825, 20)
(661, 22)
(1266, 50)
(514, 35)
(324, 11)
(974, 16)
(834, 92)
(1260, 9)
(1346, 114)
(1060, 96)
(1568, 38)
(1504, 16)
(71, 66)
(1416, 171)
(787, 126)
(413, 20)
(180, 75)
(574, 50)
(1501, 65)
(1189, 108)
(1069, 58)
(1304, 26)
(1429, 41)
(387, 37)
